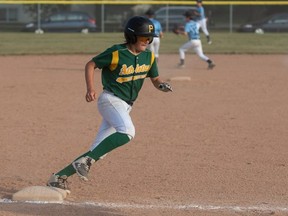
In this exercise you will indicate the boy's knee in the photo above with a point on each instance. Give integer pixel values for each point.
(131, 133)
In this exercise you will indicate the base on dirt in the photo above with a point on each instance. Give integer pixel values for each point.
(180, 78)
(41, 193)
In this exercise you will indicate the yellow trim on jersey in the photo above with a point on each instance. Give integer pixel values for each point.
(152, 58)
(114, 61)
(127, 79)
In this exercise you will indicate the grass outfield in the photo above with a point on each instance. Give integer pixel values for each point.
(93, 43)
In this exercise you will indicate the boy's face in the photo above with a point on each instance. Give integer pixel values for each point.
(145, 39)
(142, 43)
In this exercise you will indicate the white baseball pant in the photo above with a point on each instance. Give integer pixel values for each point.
(196, 45)
(203, 26)
(116, 118)
(154, 46)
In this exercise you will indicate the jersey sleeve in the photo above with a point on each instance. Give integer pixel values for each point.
(102, 60)
(105, 58)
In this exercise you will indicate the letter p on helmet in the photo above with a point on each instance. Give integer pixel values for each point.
(151, 27)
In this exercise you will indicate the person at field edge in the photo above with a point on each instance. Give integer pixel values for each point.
(155, 45)
(202, 20)
(191, 29)
(124, 68)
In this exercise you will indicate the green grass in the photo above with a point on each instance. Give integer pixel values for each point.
(93, 43)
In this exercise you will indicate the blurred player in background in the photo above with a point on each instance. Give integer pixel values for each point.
(202, 20)
(155, 45)
(191, 29)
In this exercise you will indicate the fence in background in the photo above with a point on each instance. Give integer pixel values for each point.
(155, 2)
(111, 14)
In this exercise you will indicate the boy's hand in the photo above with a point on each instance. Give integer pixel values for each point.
(165, 87)
(90, 95)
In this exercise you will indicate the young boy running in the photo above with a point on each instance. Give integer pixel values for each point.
(124, 68)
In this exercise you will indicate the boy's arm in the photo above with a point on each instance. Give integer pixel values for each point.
(89, 78)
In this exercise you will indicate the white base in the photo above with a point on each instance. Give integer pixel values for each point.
(41, 193)
(180, 78)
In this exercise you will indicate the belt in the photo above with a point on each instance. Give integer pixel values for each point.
(130, 103)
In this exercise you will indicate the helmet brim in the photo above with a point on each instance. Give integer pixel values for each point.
(147, 35)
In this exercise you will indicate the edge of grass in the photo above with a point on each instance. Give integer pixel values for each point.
(93, 43)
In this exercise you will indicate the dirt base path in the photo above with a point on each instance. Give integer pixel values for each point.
(216, 146)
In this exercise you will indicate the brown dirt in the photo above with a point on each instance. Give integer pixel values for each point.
(215, 146)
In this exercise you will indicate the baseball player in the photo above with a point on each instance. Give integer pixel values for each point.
(202, 20)
(191, 30)
(155, 45)
(124, 68)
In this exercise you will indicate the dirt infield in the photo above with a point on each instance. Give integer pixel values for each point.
(216, 146)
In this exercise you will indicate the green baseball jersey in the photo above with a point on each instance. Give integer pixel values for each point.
(123, 73)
